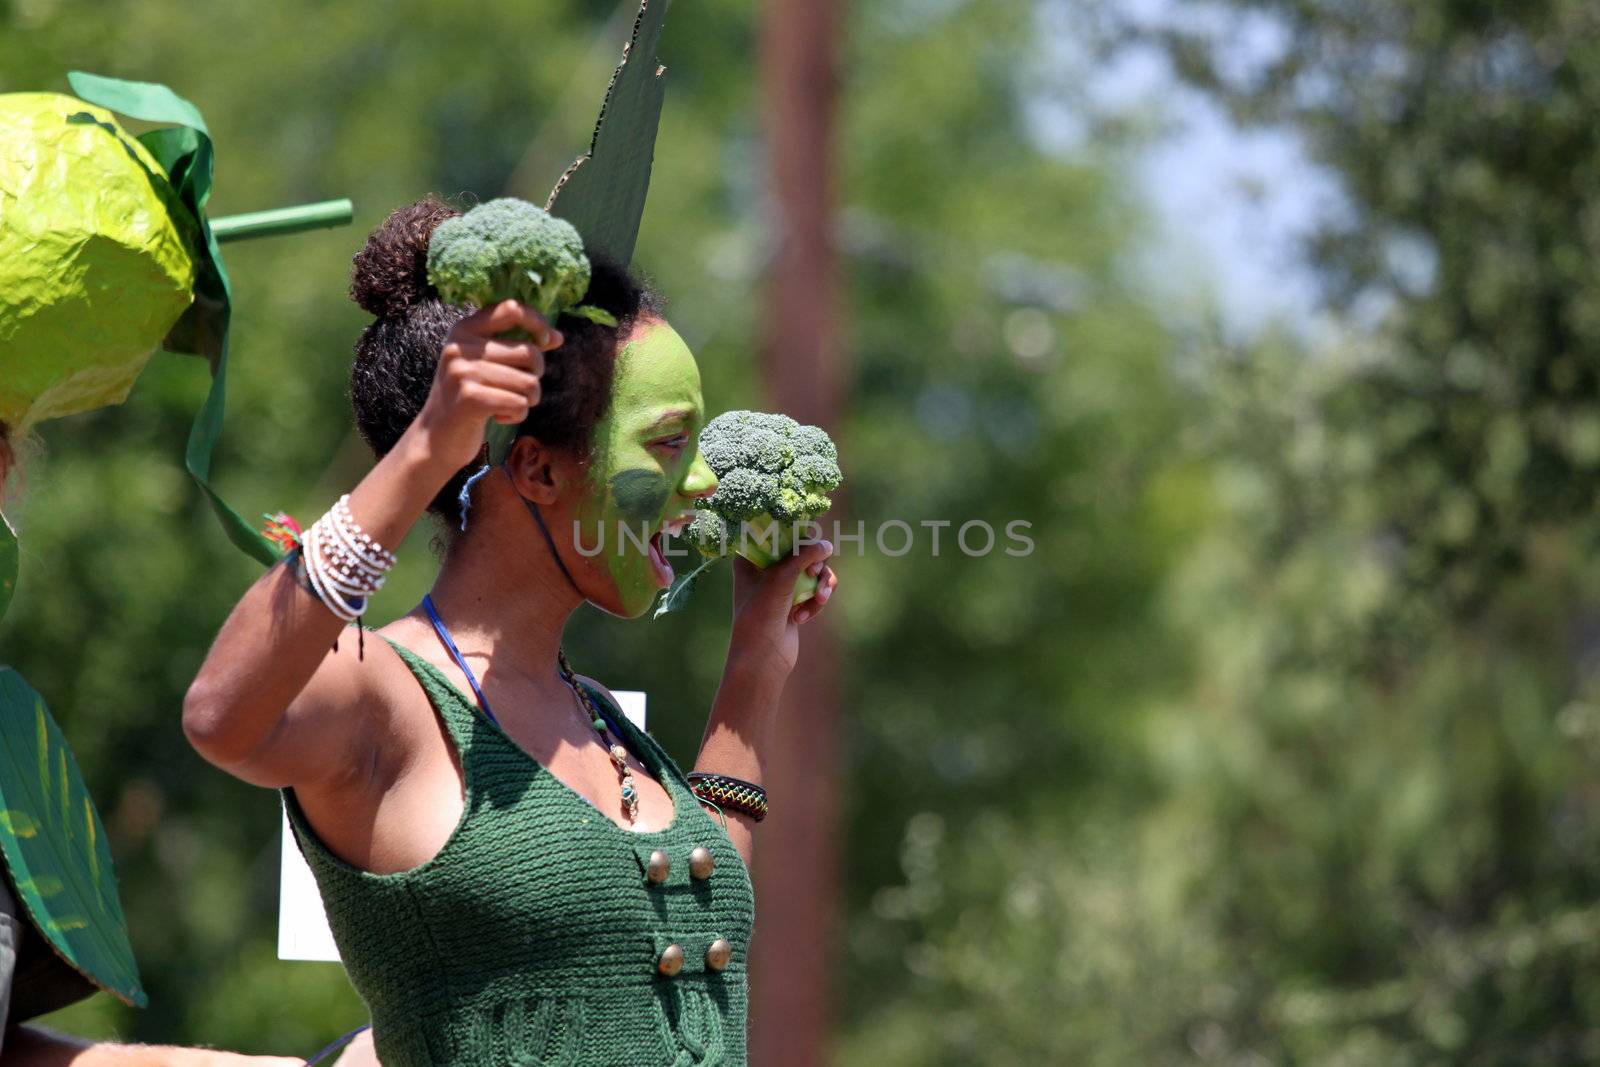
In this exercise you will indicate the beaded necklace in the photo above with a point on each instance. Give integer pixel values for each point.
(602, 729)
(619, 755)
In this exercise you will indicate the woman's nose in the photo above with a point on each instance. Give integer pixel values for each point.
(701, 481)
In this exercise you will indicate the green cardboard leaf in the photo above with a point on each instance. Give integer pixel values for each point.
(54, 846)
(603, 193)
(185, 151)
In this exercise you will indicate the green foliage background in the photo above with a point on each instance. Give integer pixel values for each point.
(1279, 747)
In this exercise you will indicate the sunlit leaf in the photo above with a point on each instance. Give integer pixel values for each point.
(55, 848)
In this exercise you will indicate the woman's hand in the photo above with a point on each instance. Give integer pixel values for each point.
(483, 376)
(766, 622)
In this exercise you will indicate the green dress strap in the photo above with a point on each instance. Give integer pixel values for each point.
(460, 715)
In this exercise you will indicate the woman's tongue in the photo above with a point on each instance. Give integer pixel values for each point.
(659, 561)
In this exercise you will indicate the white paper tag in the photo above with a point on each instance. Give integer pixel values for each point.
(303, 932)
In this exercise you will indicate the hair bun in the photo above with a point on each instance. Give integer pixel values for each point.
(390, 274)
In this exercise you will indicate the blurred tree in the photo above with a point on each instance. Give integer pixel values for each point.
(793, 976)
(1007, 369)
(1464, 137)
(1367, 833)
(1387, 760)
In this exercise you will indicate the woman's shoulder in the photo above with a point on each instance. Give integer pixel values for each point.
(415, 656)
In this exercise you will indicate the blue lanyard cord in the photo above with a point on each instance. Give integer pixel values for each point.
(472, 679)
(455, 654)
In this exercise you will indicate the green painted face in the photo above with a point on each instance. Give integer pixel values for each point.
(645, 467)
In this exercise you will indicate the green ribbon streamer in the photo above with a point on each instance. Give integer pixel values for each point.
(184, 150)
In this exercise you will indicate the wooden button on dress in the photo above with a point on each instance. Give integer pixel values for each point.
(671, 961)
(659, 867)
(718, 955)
(701, 863)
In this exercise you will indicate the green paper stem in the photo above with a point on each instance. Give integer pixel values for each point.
(283, 220)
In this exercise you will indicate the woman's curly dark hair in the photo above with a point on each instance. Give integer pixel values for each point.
(397, 354)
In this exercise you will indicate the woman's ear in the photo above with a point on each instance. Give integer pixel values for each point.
(537, 472)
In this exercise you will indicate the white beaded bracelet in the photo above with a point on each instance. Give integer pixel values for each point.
(344, 566)
(356, 540)
(317, 576)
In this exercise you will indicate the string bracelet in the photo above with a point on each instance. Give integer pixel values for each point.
(722, 818)
(735, 794)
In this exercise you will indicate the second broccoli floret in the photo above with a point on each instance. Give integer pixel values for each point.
(774, 476)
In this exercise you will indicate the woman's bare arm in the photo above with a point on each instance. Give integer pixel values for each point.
(266, 705)
(271, 703)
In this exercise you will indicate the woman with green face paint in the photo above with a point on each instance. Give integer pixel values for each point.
(496, 897)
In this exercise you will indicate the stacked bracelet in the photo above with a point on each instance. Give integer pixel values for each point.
(736, 794)
(343, 565)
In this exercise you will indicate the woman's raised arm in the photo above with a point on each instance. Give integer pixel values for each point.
(272, 704)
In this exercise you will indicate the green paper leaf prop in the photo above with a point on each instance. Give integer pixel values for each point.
(95, 258)
(603, 193)
(55, 846)
(106, 253)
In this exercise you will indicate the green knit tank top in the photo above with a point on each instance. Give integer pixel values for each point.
(536, 935)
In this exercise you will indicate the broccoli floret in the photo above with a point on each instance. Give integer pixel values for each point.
(709, 533)
(814, 441)
(742, 493)
(773, 476)
(508, 249)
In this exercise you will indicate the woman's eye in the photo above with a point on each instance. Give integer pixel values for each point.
(675, 444)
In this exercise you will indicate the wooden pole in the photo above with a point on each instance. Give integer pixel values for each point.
(795, 954)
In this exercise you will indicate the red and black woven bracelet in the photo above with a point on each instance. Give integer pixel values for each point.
(735, 794)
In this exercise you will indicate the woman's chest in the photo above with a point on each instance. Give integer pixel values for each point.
(535, 882)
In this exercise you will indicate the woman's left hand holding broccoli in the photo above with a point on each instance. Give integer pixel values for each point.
(766, 621)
